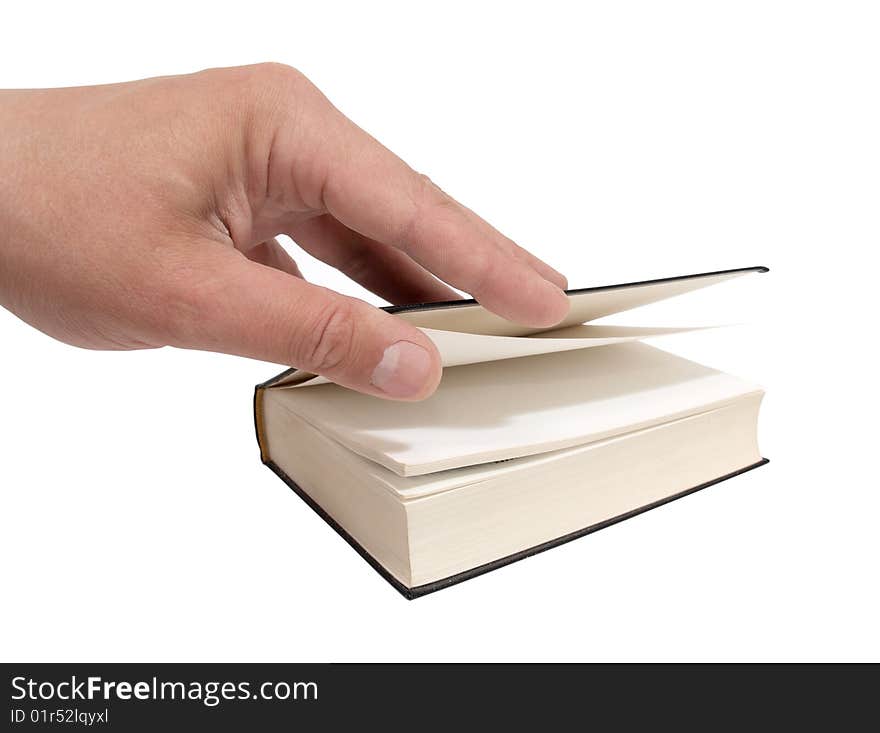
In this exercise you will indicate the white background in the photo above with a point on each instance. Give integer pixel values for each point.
(620, 141)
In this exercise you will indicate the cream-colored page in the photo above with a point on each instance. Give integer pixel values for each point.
(585, 306)
(471, 334)
(458, 348)
(468, 348)
(516, 407)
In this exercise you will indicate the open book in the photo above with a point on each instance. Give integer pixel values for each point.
(534, 437)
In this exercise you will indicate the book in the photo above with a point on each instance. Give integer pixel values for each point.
(533, 438)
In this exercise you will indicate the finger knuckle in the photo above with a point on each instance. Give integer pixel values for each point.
(268, 86)
(480, 269)
(289, 87)
(275, 73)
(428, 193)
(424, 197)
(329, 341)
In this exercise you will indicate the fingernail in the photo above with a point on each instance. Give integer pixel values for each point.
(403, 371)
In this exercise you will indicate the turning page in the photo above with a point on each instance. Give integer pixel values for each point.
(466, 333)
(586, 304)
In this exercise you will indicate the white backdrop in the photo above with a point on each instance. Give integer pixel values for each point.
(620, 141)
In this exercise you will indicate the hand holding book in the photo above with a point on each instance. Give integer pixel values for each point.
(144, 214)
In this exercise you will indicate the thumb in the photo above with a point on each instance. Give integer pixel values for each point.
(257, 311)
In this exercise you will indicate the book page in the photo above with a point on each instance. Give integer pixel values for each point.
(586, 305)
(516, 407)
(457, 348)
(468, 334)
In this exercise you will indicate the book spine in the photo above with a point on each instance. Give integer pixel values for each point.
(259, 425)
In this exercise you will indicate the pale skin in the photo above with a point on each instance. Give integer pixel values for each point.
(145, 214)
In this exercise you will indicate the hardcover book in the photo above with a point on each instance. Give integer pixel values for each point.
(534, 437)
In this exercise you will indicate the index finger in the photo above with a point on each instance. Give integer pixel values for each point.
(374, 192)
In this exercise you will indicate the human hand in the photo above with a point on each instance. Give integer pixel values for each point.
(143, 214)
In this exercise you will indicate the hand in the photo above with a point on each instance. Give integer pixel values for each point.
(143, 214)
